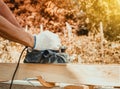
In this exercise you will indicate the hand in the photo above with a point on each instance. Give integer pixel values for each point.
(47, 40)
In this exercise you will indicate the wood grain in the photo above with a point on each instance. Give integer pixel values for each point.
(76, 87)
(16, 86)
(107, 75)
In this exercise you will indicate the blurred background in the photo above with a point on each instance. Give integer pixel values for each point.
(90, 29)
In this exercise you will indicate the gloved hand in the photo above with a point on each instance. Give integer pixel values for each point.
(46, 40)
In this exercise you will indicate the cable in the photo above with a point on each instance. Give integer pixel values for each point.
(16, 68)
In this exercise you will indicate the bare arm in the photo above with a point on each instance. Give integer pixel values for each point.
(14, 33)
(6, 13)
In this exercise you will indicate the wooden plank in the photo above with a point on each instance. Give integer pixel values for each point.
(16, 86)
(107, 75)
(91, 86)
(76, 87)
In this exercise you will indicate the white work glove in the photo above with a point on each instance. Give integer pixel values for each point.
(47, 40)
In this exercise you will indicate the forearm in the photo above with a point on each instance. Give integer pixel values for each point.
(5, 12)
(5, 36)
(11, 32)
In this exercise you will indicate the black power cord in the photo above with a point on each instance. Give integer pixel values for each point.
(16, 68)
